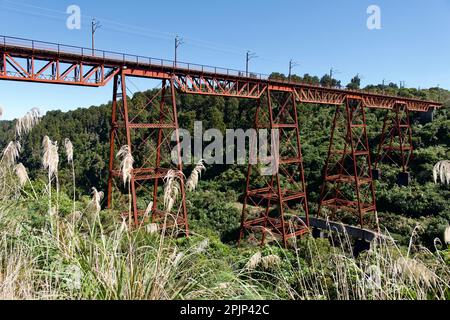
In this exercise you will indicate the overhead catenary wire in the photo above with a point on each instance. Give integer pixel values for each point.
(121, 27)
(115, 26)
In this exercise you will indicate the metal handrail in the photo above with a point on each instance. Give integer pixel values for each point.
(124, 58)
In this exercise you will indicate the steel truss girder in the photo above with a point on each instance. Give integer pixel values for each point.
(54, 70)
(380, 102)
(347, 181)
(150, 143)
(219, 86)
(266, 209)
(93, 68)
(396, 143)
(319, 96)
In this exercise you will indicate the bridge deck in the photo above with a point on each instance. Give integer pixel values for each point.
(64, 64)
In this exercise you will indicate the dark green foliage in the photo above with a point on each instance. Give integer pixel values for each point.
(355, 83)
(216, 210)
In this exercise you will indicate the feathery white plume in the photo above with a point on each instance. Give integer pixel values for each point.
(21, 173)
(50, 159)
(11, 153)
(96, 200)
(170, 205)
(171, 189)
(415, 270)
(46, 142)
(126, 164)
(69, 150)
(270, 261)
(447, 235)
(254, 261)
(152, 228)
(1, 111)
(192, 181)
(178, 259)
(201, 247)
(441, 172)
(148, 210)
(25, 124)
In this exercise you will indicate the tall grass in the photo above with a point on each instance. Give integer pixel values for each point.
(319, 271)
(126, 167)
(91, 260)
(102, 258)
(69, 153)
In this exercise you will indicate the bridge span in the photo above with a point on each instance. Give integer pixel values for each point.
(348, 167)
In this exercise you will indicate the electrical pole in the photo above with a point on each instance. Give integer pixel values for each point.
(331, 77)
(332, 72)
(95, 26)
(249, 56)
(385, 84)
(292, 65)
(178, 43)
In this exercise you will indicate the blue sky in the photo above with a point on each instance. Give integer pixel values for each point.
(413, 44)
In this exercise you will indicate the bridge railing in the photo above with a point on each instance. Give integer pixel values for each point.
(122, 57)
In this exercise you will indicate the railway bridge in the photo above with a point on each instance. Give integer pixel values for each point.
(349, 173)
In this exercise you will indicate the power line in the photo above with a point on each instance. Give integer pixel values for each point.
(34, 13)
(140, 31)
(333, 72)
(125, 28)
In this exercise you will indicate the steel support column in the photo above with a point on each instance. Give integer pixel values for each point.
(348, 185)
(396, 144)
(277, 205)
(151, 143)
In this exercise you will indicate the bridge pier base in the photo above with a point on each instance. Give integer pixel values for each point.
(404, 179)
(317, 233)
(360, 246)
(376, 174)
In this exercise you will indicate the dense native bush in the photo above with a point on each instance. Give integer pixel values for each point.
(215, 210)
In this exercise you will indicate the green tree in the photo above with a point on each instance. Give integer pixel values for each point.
(355, 83)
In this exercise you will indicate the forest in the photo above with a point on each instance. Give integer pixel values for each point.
(416, 217)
